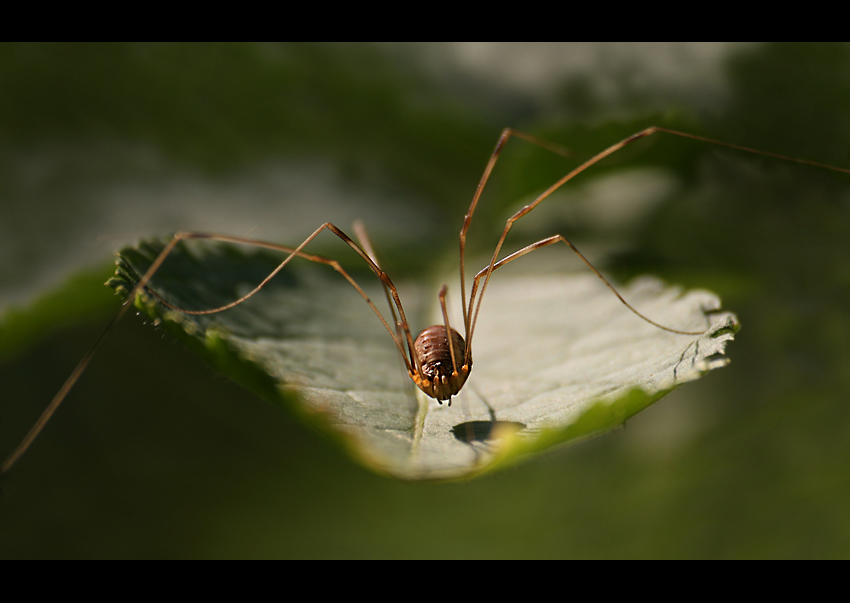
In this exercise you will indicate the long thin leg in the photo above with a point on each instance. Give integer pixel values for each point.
(385, 280)
(157, 263)
(363, 238)
(494, 156)
(555, 239)
(449, 338)
(60, 395)
(471, 316)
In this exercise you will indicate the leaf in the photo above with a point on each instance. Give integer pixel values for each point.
(76, 300)
(556, 357)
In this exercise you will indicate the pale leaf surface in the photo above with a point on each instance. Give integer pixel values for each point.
(556, 357)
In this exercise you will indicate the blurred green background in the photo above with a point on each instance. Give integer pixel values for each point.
(154, 455)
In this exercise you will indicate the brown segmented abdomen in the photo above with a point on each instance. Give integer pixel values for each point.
(439, 379)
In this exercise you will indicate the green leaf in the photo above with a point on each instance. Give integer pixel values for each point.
(556, 357)
(78, 299)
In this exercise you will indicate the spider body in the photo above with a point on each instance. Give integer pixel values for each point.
(437, 376)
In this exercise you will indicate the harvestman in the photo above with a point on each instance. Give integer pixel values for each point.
(439, 360)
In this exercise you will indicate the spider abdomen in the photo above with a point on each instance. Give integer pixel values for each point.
(439, 379)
